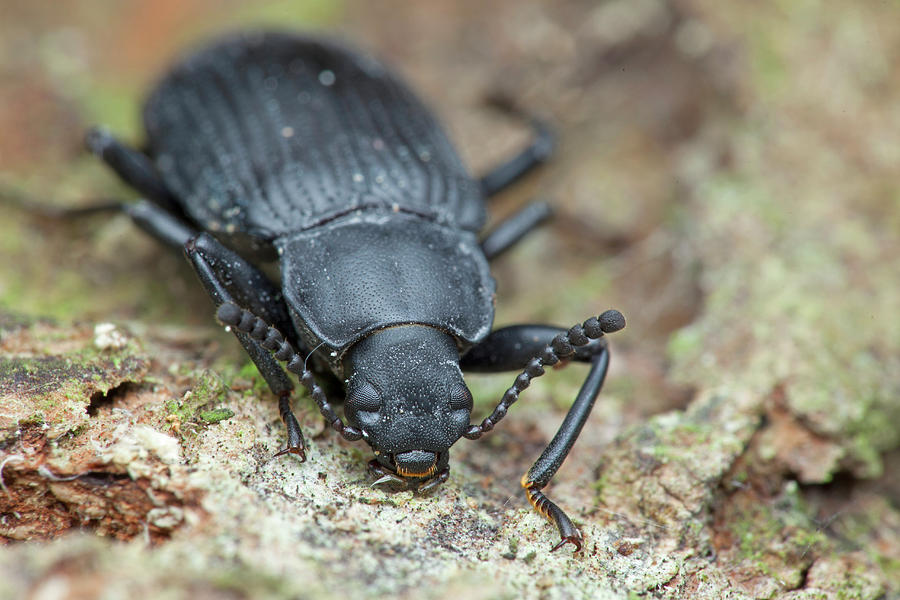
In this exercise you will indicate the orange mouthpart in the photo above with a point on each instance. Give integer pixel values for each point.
(407, 473)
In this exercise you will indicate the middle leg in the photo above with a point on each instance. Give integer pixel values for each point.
(514, 228)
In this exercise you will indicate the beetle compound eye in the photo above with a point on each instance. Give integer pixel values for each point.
(460, 397)
(365, 398)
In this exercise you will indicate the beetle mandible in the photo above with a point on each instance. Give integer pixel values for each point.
(273, 146)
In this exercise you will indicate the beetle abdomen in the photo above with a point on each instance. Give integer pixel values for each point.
(271, 133)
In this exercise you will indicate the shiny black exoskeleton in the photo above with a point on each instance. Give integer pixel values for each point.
(280, 147)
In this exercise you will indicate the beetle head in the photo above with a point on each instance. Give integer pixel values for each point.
(406, 393)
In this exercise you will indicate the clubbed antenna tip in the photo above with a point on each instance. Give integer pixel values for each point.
(611, 321)
(560, 348)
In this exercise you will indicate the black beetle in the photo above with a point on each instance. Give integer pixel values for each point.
(274, 146)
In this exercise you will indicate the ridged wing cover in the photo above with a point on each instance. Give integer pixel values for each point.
(268, 134)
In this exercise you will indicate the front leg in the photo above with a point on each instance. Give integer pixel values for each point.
(551, 459)
(227, 277)
(510, 348)
(215, 265)
(535, 341)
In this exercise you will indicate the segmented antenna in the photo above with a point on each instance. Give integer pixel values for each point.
(560, 348)
(271, 339)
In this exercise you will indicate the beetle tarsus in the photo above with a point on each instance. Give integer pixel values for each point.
(569, 534)
(575, 540)
(296, 444)
(291, 450)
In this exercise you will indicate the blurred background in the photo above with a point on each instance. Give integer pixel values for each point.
(727, 175)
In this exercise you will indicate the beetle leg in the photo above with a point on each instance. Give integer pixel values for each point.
(510, 348)
(537, 153)
(514, 228)
(214, 264)
(555, 453)
(521, 341)
(248, 286)
(134, 167)
(561, 347)
(223, 272)
(159, 223)
(15, 197)
(152, 218)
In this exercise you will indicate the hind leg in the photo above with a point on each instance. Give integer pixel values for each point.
(504, 175)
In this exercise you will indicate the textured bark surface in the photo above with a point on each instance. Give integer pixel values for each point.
(728, 176)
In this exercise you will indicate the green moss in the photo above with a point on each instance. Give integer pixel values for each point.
(201, 404)
(890, 566)
(803, 304)
(251, 583)
(513, 549)
(600, 483)
(208, 388)
(215, 415)
(56, 388)
(75, 376)
(249, 372)
(35, 419)
(772, 535)
(687, 341)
